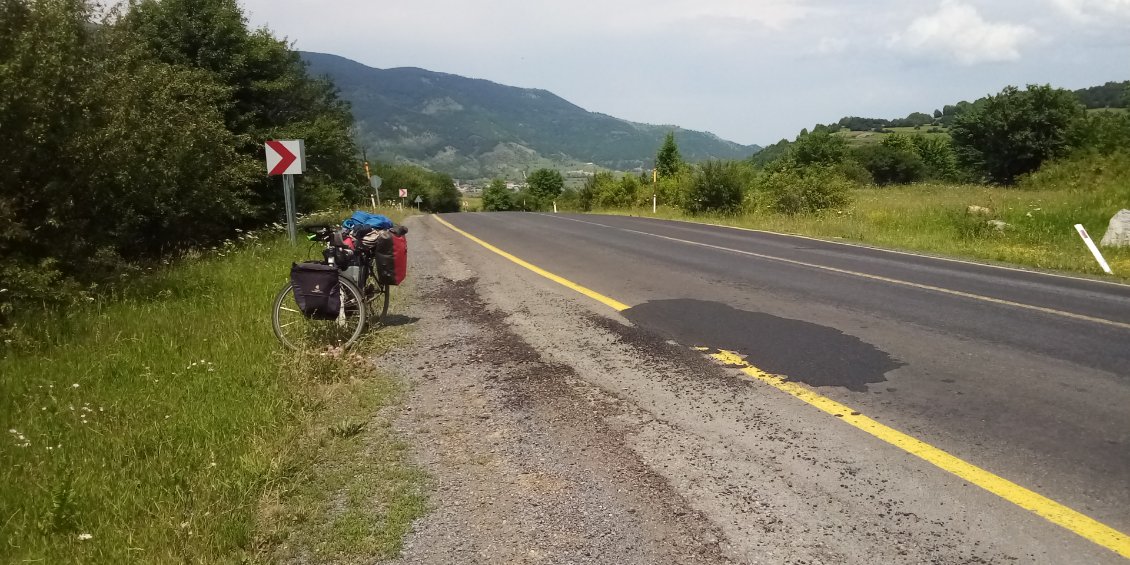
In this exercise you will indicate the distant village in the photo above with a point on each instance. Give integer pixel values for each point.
(475, 187)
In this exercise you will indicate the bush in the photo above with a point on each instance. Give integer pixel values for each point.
(792, 190)
(717, 186)
(890, 165)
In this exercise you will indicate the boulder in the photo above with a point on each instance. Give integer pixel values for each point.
(1118, 232)
(975, 210)
(999, 225)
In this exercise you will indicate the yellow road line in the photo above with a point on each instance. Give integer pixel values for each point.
(969, 295)
(615, 305)
(1047, 508)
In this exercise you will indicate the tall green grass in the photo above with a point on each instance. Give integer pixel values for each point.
(146, 426)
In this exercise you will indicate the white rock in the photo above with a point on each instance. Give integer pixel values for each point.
(975, 210)
(1118, 232)
(998, 225)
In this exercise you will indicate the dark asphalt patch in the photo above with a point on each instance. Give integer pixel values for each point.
(810, 353)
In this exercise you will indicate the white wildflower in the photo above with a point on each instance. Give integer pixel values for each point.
(84, 537)
(74, 385)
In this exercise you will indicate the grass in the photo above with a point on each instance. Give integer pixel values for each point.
(933, 218)
(151, 425)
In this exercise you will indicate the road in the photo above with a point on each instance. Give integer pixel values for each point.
(1022, 377)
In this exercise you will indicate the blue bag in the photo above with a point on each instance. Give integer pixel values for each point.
(361, 218)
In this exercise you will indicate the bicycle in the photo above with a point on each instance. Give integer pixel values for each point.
(361, 293)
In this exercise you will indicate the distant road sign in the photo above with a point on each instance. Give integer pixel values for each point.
(404, 193)
(286, 157)
(418, 199)
(375, 181)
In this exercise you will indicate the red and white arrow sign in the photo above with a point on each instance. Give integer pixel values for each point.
(286, 157)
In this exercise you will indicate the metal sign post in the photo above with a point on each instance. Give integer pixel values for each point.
(287, 157)
(288, 197)
(375, 182)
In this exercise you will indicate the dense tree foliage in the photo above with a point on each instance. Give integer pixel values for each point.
(891, 164)
(1014, 132)
(545, 184)
(136, 136)
(1109, 95)
(436, 189)
(496, 197)
(824, 149)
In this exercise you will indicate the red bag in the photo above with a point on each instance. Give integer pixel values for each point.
(399, 258)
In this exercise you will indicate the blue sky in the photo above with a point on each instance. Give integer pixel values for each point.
(752, 71)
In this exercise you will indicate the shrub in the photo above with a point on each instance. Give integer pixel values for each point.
(791, 190)
(717, 186)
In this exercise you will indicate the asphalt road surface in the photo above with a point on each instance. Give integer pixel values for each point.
(1025, 376)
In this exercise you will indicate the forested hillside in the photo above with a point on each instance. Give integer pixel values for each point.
(475, 128)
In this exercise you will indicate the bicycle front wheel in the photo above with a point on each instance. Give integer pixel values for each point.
(298, 331)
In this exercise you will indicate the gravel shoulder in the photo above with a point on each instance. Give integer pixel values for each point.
(557, 432)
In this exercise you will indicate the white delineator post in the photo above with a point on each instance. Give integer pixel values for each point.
(554, 206)
(652, 203)
(1094, 249)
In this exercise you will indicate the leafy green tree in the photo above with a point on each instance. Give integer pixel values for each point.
(441, 193)
(1014, 132)
(668, 161)
(270, 94)
(1102, 132)
(890, 164)
(545, 184)
(937, 157)
(894, 160)
(496, 197)
(822, 149)
(718, 186)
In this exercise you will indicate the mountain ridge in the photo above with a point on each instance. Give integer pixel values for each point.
(476, 128)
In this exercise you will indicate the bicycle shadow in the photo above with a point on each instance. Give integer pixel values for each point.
(396, 320)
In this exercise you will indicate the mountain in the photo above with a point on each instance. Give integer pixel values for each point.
(473, 128)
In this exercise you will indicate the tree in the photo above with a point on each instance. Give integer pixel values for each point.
(889, 164)
(545, 184)
(1014, 132)
(818, 149)
(668, 161)
(496, 197)
(270, 96)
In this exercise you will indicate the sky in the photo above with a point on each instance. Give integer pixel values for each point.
(751, 71)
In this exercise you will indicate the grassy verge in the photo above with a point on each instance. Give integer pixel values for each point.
(151, 425)
(933, 219)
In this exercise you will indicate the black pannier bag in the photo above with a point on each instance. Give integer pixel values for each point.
(316, 290)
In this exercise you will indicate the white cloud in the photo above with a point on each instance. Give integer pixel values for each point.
(1094, 10)
(957, 30)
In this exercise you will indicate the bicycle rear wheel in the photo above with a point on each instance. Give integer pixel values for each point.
(297, 331)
